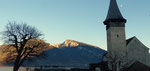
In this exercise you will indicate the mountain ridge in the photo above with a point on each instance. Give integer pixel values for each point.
(69, 53)
(72, 43)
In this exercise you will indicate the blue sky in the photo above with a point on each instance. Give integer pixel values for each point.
(80, 20)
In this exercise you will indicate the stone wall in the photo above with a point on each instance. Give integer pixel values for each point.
(116, 41)
(138, 52)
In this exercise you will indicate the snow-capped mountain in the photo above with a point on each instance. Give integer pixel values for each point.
(70, 53)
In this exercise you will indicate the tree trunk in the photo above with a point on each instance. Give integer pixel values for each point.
(16, 64)
(16, 68)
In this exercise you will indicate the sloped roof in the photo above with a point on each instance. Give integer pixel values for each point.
(139, 42)
(128, 40)
(114, 13)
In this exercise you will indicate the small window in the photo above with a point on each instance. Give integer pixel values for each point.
(117, 36)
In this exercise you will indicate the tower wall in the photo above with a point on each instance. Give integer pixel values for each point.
(116, 39)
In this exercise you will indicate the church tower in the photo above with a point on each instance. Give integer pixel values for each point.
(115, 27)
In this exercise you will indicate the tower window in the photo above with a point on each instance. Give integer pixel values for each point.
(117, 36)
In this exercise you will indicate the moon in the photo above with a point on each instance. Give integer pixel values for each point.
(121, 5)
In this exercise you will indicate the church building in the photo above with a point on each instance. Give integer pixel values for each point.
(116, 37)
(135, 54)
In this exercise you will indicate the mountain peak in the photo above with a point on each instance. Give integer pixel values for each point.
(72, 43)
(67, 43)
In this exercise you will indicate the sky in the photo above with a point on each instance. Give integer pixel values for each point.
(80, 20)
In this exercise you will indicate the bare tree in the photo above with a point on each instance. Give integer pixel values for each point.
(8, 53)
(117, 62)
(18, 35)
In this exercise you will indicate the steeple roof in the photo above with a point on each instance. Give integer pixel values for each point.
(114, 13)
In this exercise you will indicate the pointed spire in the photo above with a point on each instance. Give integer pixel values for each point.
(114, 13)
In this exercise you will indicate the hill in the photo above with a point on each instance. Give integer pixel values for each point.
(8, 52)
(70, 53)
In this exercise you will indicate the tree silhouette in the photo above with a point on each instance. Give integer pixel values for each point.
(18, 35)
(117, 62)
